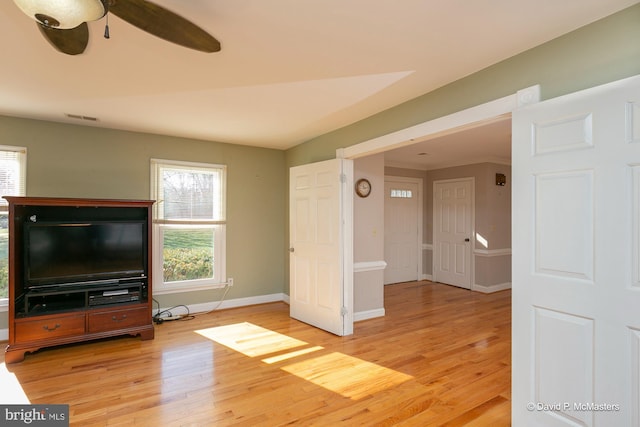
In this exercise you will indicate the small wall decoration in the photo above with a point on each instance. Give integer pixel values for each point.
(363, 187)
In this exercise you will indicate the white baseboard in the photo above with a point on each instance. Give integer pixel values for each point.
(428, 277)
(492, 288)
(369, 314)
(232, 303)
(4, 334)
(360, 315)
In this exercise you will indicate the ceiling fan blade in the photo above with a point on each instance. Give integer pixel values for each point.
(165, 24)
(70, 41)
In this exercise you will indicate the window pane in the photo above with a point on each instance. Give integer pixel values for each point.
(12, 183)
(11, 176)
(190, 194)
(189, 225)
(187, 253)
(401, 194)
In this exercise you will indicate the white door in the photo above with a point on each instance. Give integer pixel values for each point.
(401, 219)
(317, 246)
(576, 263)
(453, 231)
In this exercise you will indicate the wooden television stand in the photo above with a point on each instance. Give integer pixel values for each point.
(63, 313)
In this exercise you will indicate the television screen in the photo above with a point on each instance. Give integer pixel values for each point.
(60, 253)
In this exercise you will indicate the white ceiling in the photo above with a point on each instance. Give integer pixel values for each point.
(490, 142)
(288, 71)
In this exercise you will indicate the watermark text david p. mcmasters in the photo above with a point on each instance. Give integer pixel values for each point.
(573, 407)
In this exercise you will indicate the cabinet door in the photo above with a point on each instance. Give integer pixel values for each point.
(49, 327)
(114, 319)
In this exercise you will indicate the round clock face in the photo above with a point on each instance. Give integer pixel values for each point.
(363, 187)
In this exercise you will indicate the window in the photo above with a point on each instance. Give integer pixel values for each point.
(401, 194)
(189, 225)
(12, 183)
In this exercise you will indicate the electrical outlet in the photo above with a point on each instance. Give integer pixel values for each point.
(230, 281)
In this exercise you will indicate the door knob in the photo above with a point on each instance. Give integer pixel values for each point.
(292, 250)
(466, 240)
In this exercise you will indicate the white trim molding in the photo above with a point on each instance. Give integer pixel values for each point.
(471, 117)
(492, 252)
(4, 334)
(234, 303)
(359, 267)
(491, 288)
(368, 314)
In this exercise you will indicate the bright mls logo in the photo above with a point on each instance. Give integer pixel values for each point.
(34, 415)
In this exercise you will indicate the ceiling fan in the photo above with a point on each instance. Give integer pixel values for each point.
(64, 22)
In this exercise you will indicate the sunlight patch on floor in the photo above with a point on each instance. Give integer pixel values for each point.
(291, 355)
(11, 392)
(349, 376)
(250, 340)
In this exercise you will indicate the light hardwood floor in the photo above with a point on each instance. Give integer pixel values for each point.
(440, 357)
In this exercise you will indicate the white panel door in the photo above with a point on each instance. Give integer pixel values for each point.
(401, 230)
(317, 292)
(453, 231)
(576, 259)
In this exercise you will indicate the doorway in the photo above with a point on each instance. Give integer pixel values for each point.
(475, 118)
(453, 224)
(402, 229)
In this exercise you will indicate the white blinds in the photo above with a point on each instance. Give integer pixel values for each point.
(12, 172)
(187, 193)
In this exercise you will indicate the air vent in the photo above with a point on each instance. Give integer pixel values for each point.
(79, 117)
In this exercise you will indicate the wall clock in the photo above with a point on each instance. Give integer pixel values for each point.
(363, 187)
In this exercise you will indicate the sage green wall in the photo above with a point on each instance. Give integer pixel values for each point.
(80, 161)
(601, 52)
(87, 162)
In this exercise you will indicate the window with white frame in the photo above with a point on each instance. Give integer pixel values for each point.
(189, 225)
(13, 163)
(401, 194)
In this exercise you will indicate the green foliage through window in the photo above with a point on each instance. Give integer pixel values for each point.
(187, 254)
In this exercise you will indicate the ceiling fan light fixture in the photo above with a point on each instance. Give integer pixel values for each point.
(63, 14)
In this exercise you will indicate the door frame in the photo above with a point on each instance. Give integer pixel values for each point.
(420, 183)
(472, 228)
(465, 119)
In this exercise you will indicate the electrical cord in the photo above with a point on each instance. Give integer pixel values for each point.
(166, 314)
(226, 290)
(162, 316)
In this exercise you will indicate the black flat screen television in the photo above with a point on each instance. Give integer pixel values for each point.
(60, 253)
